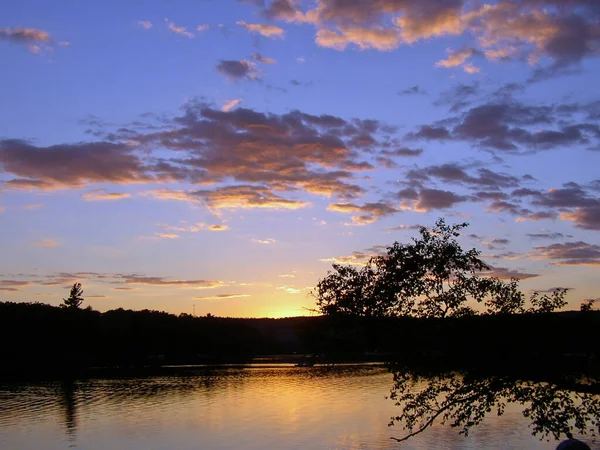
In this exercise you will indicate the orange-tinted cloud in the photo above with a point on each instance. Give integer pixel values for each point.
(364, 38)
(161, 281)
(46, 243)
(101, 194)
(458, 58)
(569, 253)
(230, 104)
(368, 213)
(26, 35)
(182, 31)
(223, 296)
(13, 285)
(161, 235)
(269, 31)
(232, 197)
(262, 59)
(562, 32)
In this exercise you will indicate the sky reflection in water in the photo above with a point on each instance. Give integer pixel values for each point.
(275, 407)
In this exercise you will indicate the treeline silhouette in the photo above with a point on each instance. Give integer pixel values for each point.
(41, 340)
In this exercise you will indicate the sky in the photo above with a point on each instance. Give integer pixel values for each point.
(218, 156)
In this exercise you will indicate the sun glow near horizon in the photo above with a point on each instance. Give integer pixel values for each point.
(278, 140)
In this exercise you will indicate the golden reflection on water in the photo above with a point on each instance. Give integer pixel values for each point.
(255, 408)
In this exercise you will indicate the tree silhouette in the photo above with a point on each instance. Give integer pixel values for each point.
(432, 277)
(557, 405)
(587, 305)
(75, 297)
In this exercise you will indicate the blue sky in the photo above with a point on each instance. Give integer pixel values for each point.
(224, 154)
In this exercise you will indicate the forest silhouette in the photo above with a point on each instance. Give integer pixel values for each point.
(411, 308)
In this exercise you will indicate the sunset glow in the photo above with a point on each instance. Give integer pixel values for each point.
(218, 156)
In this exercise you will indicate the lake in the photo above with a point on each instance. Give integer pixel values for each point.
(277, 407)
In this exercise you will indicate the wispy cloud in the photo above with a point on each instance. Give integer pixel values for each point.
(161, 281)
(182, 31)
(289, 289)
(230, 104)
(264, 241)
(269, 31)
(101, 194)
(576, 253)
(145, 24)
(458, 58)
(223, 296)
(161, 235)
(262, 59)
(46, 243)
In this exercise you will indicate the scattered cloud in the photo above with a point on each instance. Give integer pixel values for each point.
(577, 253)
(13, 285)
(586, 218)
(25, 35)
(367, 213)
(269, 31)
(32, 206)
(358, 258)
(414, 90)
(261, 59)
(101, 194)
(145, 24)
(495, 243)
(70, 165)
(230, 104)
(545, 235)
(426, 199)
(161, 281)
(161, 235)
(218, 227)
(406, 227)
(510, 126)
(506, 274)
(202, 28)
(264, 241)
(238, 70)
(536, 31)
(289, 289)
(46, 243)
(223, 296)
(458, 58)
(182, 31)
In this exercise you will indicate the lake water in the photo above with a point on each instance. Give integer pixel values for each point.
(276, 407)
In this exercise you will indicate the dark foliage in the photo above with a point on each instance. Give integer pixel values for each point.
(433, 277)
(587, 305)
(75, 297)
(556, 404)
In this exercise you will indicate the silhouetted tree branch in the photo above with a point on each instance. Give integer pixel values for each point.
(556, 407)
(432, 277)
